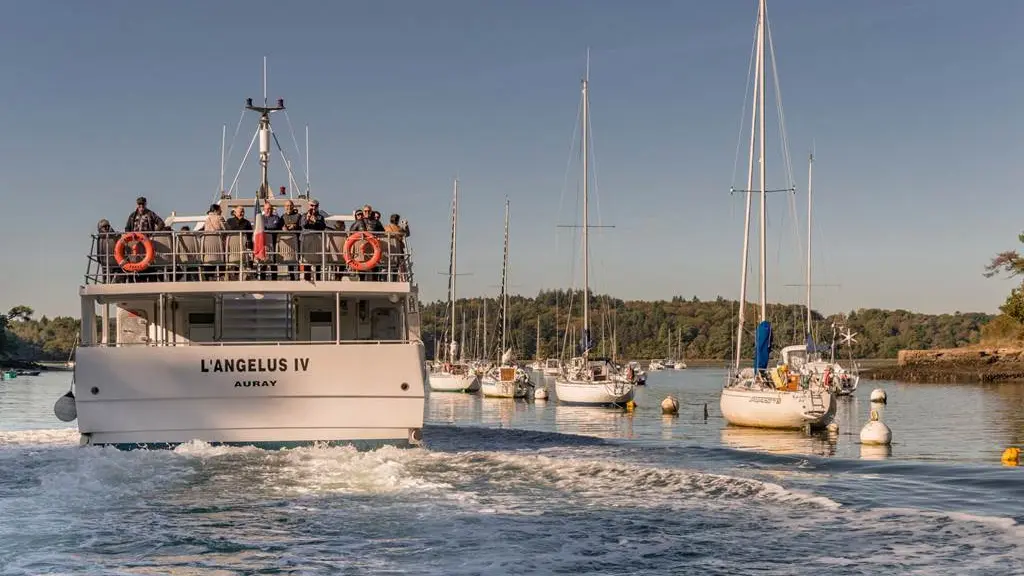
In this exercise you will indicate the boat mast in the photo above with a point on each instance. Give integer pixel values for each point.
(504, 292)
(762, 17)
(538, 345)
(223, 143)
(452, 270)
(264, 133)
(810, 190)
(462, 338)
(586, 224)
(748, 201)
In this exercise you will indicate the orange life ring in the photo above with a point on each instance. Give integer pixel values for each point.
(135, 238)
(349, 251)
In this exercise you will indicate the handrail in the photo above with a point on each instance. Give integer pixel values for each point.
(268, 343)
(201, 256)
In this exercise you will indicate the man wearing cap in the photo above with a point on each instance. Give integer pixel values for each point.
(143, 219)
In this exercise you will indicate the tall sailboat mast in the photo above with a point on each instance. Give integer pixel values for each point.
(761, 23)
(749, 190)
(504, 292)
(810, 191)
(585, 149)
(453, 270)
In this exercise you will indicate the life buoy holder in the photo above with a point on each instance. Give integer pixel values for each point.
(349, 251)
(135, 239)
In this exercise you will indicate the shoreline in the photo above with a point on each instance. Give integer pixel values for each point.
(973, 364)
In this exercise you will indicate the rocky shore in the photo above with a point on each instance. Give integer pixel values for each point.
(973, 364)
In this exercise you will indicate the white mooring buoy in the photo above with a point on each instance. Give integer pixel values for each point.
(540, 394)
(875, 432)
(878, 395)
(670, 405)
(64, 408)
(832, 428)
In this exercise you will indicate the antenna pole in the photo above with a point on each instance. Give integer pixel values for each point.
(264, 134)
(307, 160)
(455, 227)
(223, 142)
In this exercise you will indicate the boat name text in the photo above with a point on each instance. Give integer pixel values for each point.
(254, 365)
(766, 399)
(254, 383)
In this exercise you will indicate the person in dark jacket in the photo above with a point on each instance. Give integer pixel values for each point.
(239, 222)
(143, 219)
(106, 238)
(314, 219)
(370, 221)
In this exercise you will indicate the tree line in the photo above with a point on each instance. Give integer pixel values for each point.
(680, 327)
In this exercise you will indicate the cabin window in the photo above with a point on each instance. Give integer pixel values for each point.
(319, 317)
(201, 318)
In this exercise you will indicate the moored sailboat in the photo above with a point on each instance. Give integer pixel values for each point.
(585, 380)
(453, 375)
(506, 379)
(757, 396)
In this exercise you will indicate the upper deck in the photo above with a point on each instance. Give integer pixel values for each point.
(185, 259)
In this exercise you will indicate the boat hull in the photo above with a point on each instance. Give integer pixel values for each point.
(776, 409)
(442, 382)
(492, 388)
(593, 393)
(365, 395)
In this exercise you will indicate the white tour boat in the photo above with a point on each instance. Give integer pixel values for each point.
(254, 337)
(759, 397)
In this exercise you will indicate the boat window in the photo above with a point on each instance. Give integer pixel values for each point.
(201, 317)
(319, 317)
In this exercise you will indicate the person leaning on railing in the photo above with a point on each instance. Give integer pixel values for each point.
(212, 241)
(313, 244)
(368, 221)
(106, 239)
(239, 242)
(397, 231)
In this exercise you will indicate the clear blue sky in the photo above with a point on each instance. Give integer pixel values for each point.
(913, 106)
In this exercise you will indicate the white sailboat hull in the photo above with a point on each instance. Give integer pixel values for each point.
(366, 395)
(445, 382)
(492, 388)
(593, 393)
(777, 409)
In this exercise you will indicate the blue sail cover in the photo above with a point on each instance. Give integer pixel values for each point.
(812, 347)
(585, 343)
(764, 346)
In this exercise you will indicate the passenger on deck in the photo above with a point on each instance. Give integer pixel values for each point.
(237, 246)
(106, 238)
(370, 222)
(313, 219)
(288, 244)
(212, 241)
(271, 221)
(238, 221)
(143, 219)
(397, 231)
(272, 224)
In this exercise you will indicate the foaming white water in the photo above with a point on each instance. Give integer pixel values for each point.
(39, 438)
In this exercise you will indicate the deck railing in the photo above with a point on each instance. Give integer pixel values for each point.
(198, 256)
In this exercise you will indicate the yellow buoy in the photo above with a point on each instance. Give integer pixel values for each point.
(630, 406)
(1011, 456)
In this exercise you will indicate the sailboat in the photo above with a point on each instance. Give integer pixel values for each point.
(507, 379)
(585, 380)
(807, 358)
(453, 375)
(757, 396)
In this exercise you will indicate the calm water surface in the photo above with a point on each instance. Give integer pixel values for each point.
(506, 487)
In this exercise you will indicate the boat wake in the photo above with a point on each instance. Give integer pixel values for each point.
(572, 504)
